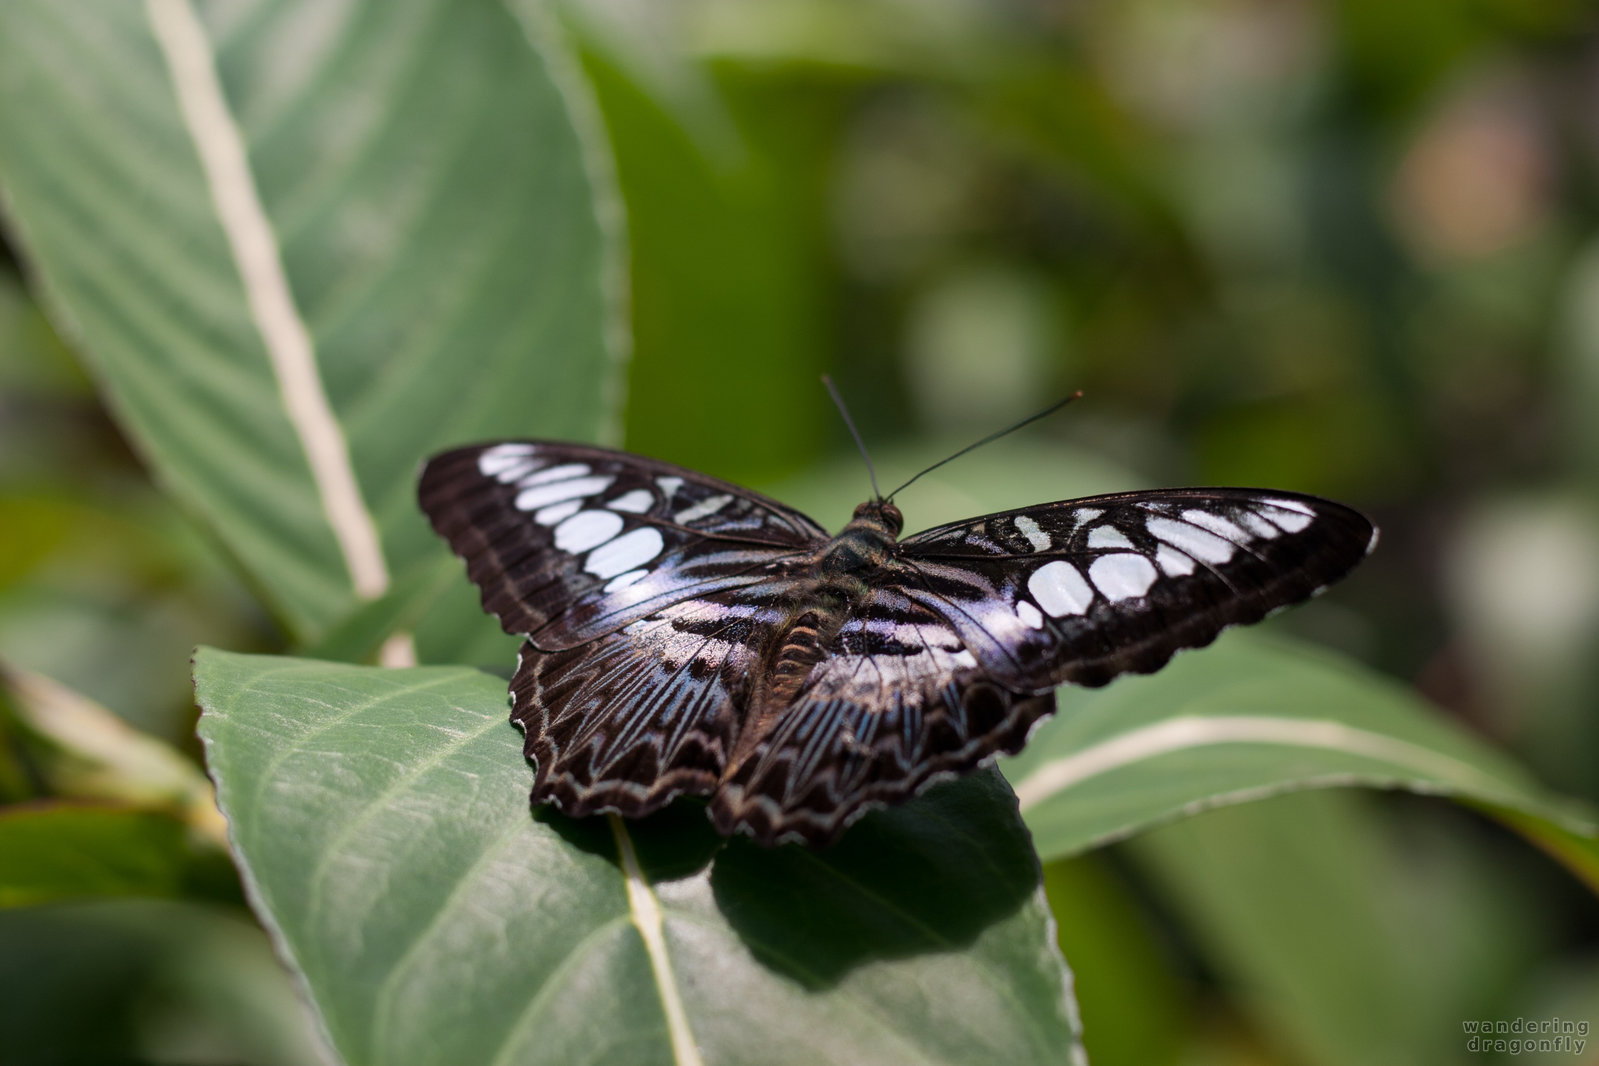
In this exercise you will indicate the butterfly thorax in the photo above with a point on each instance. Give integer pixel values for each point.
(864, 545)
(839, 580)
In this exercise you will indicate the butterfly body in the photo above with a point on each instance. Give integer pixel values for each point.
(865, 545)
(687, 636)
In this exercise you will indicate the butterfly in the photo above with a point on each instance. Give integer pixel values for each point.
(684, 635)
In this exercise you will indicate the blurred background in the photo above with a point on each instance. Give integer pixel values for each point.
(1346, 247)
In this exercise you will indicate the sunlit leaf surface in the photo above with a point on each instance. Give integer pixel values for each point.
(382, 823)
(1246, 718)
(299, 245)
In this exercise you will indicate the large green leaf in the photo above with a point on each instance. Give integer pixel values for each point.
(301, 245)
(1351, 931)
(1248, 718)
(381, 820)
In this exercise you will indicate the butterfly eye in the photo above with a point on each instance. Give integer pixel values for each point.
(883, 512)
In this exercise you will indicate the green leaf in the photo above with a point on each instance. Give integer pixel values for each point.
(1251, 717)
(303, 245)
(1349, 932)
(54, 852)
(381, 821)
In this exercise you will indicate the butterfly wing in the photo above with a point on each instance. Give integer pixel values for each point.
(644, 713)
(894, 702)
(655, 600)
(956, 650)
(569, 543)
(1083, 590)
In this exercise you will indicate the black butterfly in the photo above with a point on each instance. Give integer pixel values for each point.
(685, 635)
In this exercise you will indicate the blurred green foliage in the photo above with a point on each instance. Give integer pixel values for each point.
(1340, 246)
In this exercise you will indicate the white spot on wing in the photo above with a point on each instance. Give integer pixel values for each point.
(1172, 562)
(1293, 517)
(639, 501)
(1123, 576)
(502, 457)
(587, 529)
(1060, 589)
(622, 581)
(557, 473)
(548, 516)
(1029, 529)
(518, 471)
(1206, 547)
(1029, 615)
(627, 552)
(1108, 537)
(1259, 526)
(1215, 523)
(703, 509)
(570, 489)
(669, 486)
(1087, 514)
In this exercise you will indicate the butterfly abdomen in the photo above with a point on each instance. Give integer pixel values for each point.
(838, 584)
(802, 647)
(781, 677)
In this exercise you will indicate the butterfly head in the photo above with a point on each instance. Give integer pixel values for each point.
(879, 513)
(866, 543)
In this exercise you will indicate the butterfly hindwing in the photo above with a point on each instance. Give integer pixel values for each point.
(650, 711)
(570, 542)
(894, 701)
(1084, 590)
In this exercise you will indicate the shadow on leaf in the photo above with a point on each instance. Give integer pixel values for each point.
(930, 875)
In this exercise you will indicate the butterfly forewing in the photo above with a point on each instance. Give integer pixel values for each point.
(1084, 590)
(569, 542)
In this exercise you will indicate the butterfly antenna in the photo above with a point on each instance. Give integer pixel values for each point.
(850, 422)
(1029, 420)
